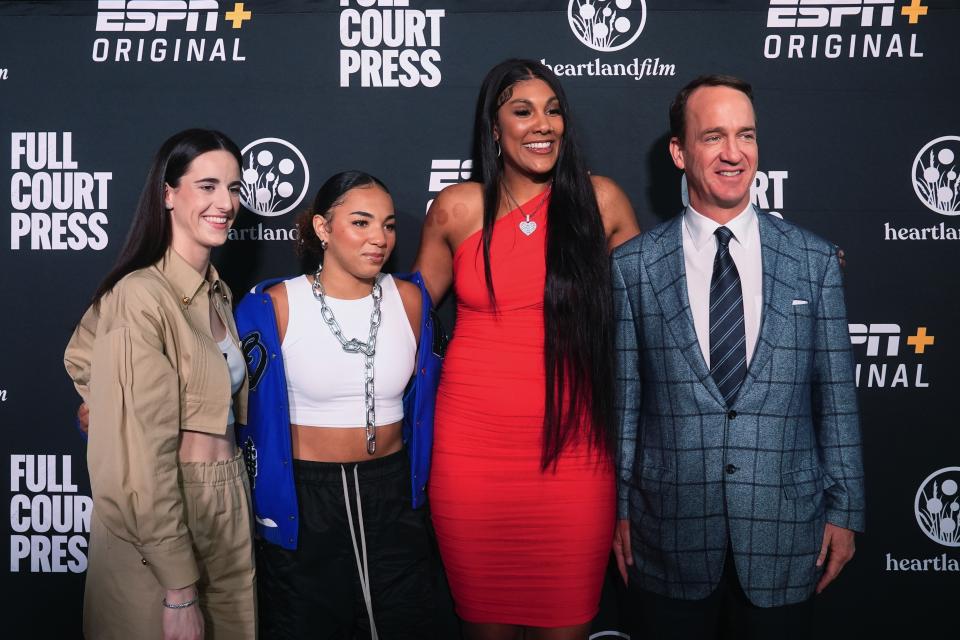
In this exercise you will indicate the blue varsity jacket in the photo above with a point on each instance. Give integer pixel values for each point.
(265, 439)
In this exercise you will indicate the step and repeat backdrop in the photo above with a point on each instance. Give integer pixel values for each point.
(857, 104)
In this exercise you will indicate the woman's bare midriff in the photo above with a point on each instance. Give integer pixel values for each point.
(196, 446)
(338, 444)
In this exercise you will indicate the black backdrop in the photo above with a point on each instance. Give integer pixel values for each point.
(860, 141)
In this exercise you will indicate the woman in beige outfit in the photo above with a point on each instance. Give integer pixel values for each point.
(156, 358)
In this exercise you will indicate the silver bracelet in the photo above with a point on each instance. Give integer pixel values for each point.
(181, 605)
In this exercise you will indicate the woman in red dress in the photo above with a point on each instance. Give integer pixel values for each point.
(522, 488)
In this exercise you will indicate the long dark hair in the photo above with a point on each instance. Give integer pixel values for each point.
(330, 195)
(577, 306)
(150, 233)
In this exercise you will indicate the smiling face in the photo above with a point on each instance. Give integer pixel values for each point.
(719, 151)
(360, 232)
(529, 127)
(204, 203)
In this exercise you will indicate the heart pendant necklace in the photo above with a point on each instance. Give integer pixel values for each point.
(528, 226)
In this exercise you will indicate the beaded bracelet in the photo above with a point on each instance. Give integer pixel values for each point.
(180, 605)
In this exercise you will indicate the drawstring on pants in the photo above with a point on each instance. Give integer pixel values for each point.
(362, 567)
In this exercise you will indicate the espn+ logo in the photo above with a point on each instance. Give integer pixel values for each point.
(831, 29)
(156, 15)
(828, 13)
(138, 18)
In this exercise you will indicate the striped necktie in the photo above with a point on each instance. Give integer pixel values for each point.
(728, 348)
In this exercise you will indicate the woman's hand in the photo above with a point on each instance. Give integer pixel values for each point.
(185, 623)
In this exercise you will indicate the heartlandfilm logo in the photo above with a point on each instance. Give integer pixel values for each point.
(935, 178)
(607, 25)
(937, 507)
(55, 205)
(389, 46)
(198, 18)
(882, 341)
(48, 517)
(834, 29)
(275, 179)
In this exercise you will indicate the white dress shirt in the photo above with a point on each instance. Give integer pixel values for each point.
(699, 251)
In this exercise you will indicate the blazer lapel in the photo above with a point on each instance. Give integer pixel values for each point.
(780, 267)
(668, 278)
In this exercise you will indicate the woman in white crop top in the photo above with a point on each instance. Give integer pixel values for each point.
(361, 566)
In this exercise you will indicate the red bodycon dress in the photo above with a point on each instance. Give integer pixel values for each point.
(520, 545)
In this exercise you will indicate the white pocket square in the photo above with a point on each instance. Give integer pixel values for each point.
(796, 302)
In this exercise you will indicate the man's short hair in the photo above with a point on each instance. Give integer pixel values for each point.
(678, 119)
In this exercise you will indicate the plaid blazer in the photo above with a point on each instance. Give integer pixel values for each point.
(770, 470)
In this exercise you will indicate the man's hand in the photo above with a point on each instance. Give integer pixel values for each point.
(83, 418)
(836, 551)
(621, 547)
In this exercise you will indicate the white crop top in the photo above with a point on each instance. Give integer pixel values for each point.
(237, 365)
(325, 383)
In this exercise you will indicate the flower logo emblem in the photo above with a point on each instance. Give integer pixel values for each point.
(607, 25)
(936, 177)
(937, 506)
(275, 177)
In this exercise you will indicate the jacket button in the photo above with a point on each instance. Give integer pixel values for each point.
(292, 517)
(145, 562)
(731, 414)
(731, 469)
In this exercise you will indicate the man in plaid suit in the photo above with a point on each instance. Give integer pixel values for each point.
(740, 480)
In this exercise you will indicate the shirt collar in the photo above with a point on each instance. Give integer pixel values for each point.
(700, 228)
(184, 279)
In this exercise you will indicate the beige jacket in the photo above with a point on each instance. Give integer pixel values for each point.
(146, 363)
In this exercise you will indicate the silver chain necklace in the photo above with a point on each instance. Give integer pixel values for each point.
(528, 226)
(368, 348)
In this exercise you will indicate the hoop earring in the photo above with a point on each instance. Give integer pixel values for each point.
(499, 150)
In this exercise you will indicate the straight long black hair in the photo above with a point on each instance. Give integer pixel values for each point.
(151, 232)
(577, 305)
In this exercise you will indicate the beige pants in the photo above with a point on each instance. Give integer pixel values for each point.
(122, 599)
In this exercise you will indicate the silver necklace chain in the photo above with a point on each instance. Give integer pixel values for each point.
(528, 226)
(368, 348)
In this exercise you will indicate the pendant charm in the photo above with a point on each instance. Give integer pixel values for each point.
(528, 226)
